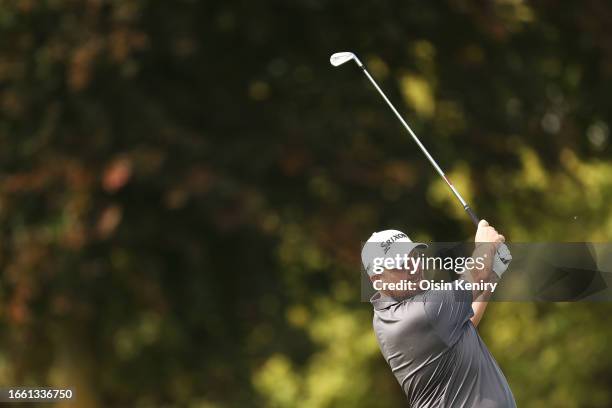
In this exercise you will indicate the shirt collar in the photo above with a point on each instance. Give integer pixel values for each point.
(380, 301)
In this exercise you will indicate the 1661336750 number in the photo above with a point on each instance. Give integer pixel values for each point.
(35, 394)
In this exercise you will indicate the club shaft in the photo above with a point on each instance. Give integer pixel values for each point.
(466, 207)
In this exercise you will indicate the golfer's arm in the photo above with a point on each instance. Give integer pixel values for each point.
(479, 306)
(484, 252)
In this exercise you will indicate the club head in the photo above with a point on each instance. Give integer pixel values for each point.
(340, 58)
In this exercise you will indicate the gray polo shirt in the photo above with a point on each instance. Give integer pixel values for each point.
(436, 353)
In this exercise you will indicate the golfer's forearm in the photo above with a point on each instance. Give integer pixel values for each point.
(484, 253)
(487, 239)
(479, 306)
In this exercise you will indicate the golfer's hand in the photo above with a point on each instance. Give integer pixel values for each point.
(487, 240)
(487, 233)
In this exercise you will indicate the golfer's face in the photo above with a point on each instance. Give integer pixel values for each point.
(414, 267)
(412, 273)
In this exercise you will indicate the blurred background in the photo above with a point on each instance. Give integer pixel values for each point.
(185, 185)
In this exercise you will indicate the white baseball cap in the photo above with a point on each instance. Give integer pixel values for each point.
(386, 244)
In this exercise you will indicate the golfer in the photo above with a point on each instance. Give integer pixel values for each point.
(429, 338)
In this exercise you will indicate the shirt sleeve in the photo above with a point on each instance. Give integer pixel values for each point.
(448, 312)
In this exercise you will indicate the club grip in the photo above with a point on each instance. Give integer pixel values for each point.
(472, 215)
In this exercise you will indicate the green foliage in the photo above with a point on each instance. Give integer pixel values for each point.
(185, 186)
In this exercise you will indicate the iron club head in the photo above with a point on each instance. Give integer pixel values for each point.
(340, 58)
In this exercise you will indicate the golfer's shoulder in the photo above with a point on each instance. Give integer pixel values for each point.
(394, 331)
(406, 311)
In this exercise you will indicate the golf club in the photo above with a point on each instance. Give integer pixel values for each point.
(503, 256)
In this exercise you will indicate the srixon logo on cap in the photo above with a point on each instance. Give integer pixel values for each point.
(387, 244)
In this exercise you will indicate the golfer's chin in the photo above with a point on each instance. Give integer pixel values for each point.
(398, 294)
(403, 294)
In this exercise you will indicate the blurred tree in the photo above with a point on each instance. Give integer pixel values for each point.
(185, 186)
